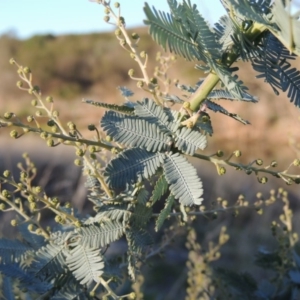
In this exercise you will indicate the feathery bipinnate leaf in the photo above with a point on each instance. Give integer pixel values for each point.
(185, 185)
(200, 31)
(164, 213)
(125, 92)
(119, 213)
(125, 109)
(273, 66)
(204, 123)
(131, 166)
(133, 131)
(222, 94)
(218, 108)
(12, 250)
(71, 291)
(99, 235)
(85, 263)
(7, 289)
(251, 10)
(153, 113)
(230, 81)
(49, 261)
(141, 215)
(290, 82)
(27, 279)
(160, 188)
(33, 240)
(189, 140)
(138, 239)
(169, 32)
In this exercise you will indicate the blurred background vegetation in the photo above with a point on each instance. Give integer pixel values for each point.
(92, 66)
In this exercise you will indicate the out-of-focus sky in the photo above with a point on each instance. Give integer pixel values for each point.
(24, 18)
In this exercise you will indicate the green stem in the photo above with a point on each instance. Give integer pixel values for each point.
(212, 79)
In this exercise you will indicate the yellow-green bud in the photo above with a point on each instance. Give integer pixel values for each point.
(237, 153)
(140, 84)
(93, 293)
(55, 113)
(6, 173)
(44, 135)
(135, 36)
(68, 205)
(5, 193)
(131, 72)
(12, 61)
(259, 162)
(220, 153)
(77, 224)
(132, 296)
(23, 175)
(21, 186)
(71, 126)
(79, 152)
(296, 162)
(222, 171)
(2, 206)
(38, 113)
(50, 142)
(8, 115)
(14, 222)
(13, 134)
(30, 119)
(92, 149)
(19, 84)
(58, 219)
(32, 205)
(37, 189)
(93, 156)
(132, 55)
(274, 164)
(143, 54)
(263, 180)
(26, 129)
(121, 21)
(49, 99)
(108, 138)
(54, 201)
(34, 102)
(38, 231)
(106, 10)
(106, 18)
(31, 198)
(78, 162)
(27, 70)
(186, 104)
(118, 32)
(153, 80)
(117, 4)
(30, 227)
(114, 151)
